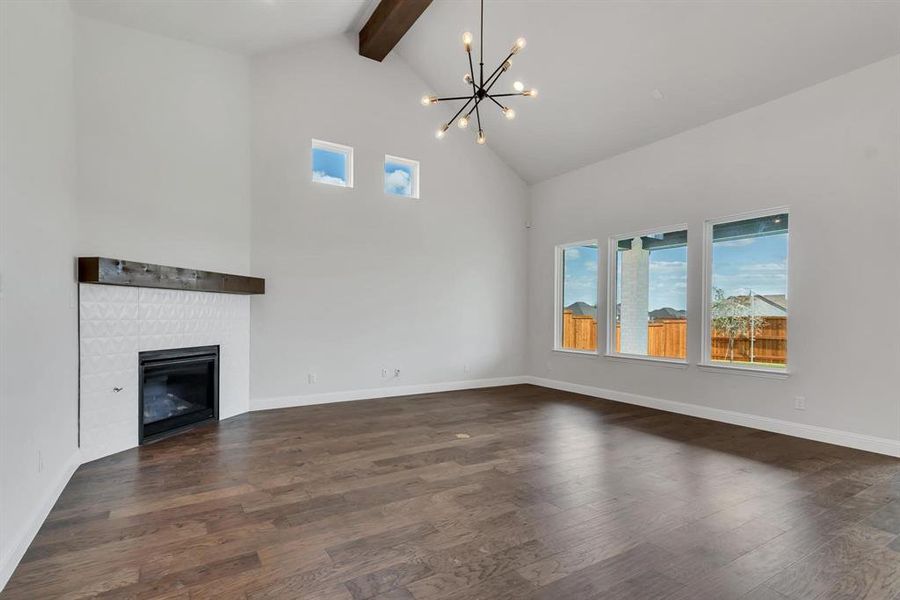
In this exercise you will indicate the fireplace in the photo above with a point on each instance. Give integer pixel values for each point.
(178, 389)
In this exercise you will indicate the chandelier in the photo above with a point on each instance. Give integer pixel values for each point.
(481, 88)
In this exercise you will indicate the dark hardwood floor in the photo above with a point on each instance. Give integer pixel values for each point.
(506, 493)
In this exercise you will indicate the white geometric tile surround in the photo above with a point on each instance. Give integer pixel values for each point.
(118, 322)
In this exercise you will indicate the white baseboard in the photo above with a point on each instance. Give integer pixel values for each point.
(34, 522)
(384, 392)
(811, 432)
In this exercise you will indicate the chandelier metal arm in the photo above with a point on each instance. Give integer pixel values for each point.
(478, 101)
(494, 101)
(503, 62)
(469, 97)
(475, 94)
(475, 107)
(471, 72)
(491, 83)
(453, 118)
(495, 76)
(481, 54)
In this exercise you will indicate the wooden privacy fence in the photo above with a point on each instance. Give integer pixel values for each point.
(769, 344)
(668, 338)
(579, 331)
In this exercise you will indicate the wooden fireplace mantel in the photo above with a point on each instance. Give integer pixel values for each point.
(115, 271)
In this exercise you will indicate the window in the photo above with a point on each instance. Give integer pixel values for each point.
(648, 295)
(576, 297)
(401, 176)
(332, 163)
(746, 302)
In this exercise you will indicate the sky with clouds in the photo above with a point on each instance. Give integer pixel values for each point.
(668, 278)
(329, 166)
(580, 274)
(758, 264)
(740, 265)
(397, 179)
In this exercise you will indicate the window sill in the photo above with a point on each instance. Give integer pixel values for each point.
(651, 360)
(746, 371)
(333, 185)
(578, 352)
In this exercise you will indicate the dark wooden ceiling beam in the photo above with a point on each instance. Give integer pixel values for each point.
(387, 26)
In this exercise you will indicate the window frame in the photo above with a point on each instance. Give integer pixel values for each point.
(558, 284)
(414, 183)
(347, 151)
(706, 362)
(612, 301)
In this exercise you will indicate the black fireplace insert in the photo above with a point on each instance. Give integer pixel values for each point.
(179, 388)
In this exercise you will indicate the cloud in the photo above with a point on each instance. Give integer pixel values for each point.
(572, 254)
(763, 267)
(762, 282)
(736, 243)
(580, 287)
(321, 177)
(398, 182)
(668, 265)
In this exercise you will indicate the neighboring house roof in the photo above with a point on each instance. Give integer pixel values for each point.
(582, 308)
(779, 299)
(660, 313)
(772, 305)
(667, 313)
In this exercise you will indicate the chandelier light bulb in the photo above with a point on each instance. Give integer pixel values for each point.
(439, 134)
(467, 78)
(481, 138)
(520, 43)
(506, 66)
(467, 40)
(427, 100)
(463, 122)
(518, 86)
(509, 113)
(532, 92)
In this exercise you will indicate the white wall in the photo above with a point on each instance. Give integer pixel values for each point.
(153, 138)
(38, 339)
(163, 177)
(832, 153)
(358, 281)
(163, 149)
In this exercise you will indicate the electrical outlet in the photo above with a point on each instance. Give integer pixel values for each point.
(385, 373)
(396, 372)
(799, 402)
(312, 378)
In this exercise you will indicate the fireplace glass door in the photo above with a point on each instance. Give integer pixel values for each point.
(178, 388)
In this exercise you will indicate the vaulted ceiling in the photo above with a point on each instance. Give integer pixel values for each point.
(612, 75)
(598, 65)
(242, 26)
